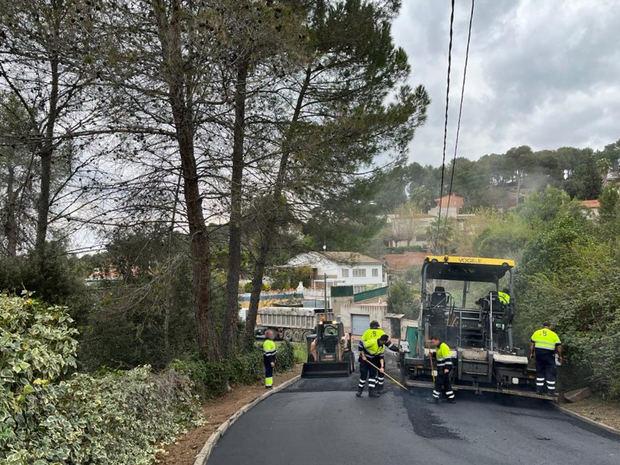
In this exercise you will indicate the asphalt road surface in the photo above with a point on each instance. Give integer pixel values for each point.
(321, 422)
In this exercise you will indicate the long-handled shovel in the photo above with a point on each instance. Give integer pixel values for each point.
(430, 358)
(392, 379)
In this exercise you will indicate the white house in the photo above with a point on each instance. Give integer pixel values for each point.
(340, 268)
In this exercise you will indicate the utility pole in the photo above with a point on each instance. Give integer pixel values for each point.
(518, 186)
(325, 291)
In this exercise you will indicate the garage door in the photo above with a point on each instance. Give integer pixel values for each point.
(359, 324)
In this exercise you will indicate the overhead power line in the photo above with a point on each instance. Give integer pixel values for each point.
(458, 124)
(445, 126)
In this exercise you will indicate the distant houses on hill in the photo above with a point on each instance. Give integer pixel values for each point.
(410, 229)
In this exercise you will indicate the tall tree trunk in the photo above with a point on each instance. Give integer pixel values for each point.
(236, 190)
(46, 153)
(257, 286)
(10, 224)
(174, 71)
(272, 215)
(199, 237)
(170, 296)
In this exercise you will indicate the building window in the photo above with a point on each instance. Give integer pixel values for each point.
(375, 272)
(359, 272)
(345, 272)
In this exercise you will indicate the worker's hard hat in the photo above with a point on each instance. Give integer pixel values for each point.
(374, 324)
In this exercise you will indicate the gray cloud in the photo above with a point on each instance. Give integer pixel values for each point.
(541, 73)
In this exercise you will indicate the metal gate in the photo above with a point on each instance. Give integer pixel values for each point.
(359, 324)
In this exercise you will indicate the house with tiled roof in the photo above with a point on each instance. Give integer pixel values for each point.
(451, 205)
(340, 268)
(591, 207)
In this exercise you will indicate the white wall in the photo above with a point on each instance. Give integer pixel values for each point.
(451, 212)
(346, 309)
(351, 271)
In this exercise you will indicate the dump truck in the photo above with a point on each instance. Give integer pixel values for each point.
(462, 303)
(329, 351)
(291, 323)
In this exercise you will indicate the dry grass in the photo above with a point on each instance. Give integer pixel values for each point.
(606, 412)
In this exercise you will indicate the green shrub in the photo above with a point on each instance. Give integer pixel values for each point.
(118, 418)
(114, 418)
(285, 358)
(55, 283)
(301, 352)
(213, 379)
(247, 287)
(248, 367)
(210, 379)
(290, 277)
(36, 342)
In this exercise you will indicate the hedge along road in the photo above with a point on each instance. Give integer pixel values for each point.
(320, 421)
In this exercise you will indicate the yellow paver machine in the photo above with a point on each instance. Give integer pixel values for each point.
(469, 303)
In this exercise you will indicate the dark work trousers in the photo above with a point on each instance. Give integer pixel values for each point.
(545, 370)
(380, 376)
(268, 372)
(442, 383)
(368, 372)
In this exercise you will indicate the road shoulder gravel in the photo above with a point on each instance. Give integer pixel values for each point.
(595, 411)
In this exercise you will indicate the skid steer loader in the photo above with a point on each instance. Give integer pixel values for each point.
(329, 351)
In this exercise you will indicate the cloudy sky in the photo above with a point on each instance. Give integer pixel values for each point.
(543, 73)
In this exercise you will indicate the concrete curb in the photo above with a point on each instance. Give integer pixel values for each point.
(205, 452)
(581, 417)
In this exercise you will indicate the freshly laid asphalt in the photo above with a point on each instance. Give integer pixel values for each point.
(321, 422)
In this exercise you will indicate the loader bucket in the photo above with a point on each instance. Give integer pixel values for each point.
(324, 369)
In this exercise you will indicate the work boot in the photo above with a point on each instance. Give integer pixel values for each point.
(359, 392)
(379, 389)
(372, 393)
(451, 400)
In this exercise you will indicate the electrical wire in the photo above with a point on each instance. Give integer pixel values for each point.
(445, 126)
(458, 124)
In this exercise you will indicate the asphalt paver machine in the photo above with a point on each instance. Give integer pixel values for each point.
(462, 304)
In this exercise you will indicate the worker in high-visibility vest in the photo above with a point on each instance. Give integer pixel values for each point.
(444, 365)
(269, 358)
(543, 346)
(369, 352)
(504, 297)
(372, 351)
(387, 344)
(374, 332)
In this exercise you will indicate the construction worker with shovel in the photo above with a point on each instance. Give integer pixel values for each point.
(372, 363)
(443, 362)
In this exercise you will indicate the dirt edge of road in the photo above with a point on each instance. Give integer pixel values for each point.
(601, 412)
(216, 412)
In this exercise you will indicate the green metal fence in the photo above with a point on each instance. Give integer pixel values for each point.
(342, 291)
(370, 294)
